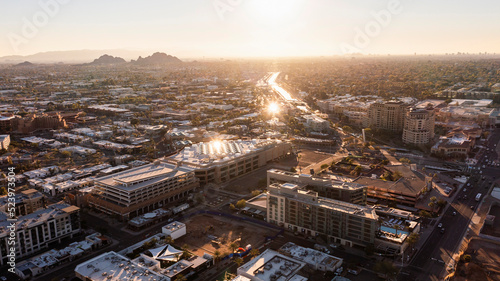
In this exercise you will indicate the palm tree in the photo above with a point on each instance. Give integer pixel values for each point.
(239, 261)
(217, 256)
(233, 246)
(254, 253)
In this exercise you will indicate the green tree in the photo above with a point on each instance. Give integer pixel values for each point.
(413, 239)
(239, 261)
(241, 204)
(233, 246)
(254, 252)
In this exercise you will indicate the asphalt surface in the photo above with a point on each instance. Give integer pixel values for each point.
(433, 257)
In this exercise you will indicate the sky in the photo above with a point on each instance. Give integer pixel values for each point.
(251, 28)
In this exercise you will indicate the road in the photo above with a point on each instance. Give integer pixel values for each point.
(432, 258)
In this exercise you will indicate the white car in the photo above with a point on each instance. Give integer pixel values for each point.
(440, 225)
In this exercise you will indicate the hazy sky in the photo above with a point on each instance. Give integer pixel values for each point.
(229, 28)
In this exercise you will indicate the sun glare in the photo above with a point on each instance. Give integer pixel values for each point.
(273, 108)
(273, 10)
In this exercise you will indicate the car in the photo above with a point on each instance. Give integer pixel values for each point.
(465, 189)
(442, 230)
(440, 225)
(3, 278)
(454, 213)
(472, 206)
(468, 184)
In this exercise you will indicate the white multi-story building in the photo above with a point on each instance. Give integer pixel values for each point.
(37, 230)
(419, 126)
(142, 189)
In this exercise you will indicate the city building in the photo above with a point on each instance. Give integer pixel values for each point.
(111, 266)
(26, 202)
(386, 116)
(142, 189)
(34, 122)
(316, 259)
(174, 229)
(315, 123)
(303, 211)
(6, 124)
(221, 161)
(271, 265)
(404, 192)
(4, 141)
(39, 230)
(419, 126)
(453, 145)
(329, 188)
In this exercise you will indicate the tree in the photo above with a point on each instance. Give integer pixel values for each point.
(232, 207)
(413, 239)
(255, 192)
(405, 160)
(169, 239)
(254, 253)
(3, 191)
(324, 166)
(241, 204)
(441, 203)
(239, 261)
(233, 246)
(217, 255)
(66, 154)
(424, 214)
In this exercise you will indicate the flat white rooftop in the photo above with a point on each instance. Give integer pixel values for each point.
(111, 266)
(271, 265)
(144, 175)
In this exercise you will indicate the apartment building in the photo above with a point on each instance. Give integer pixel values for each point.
(303, 211)
(386, 116)
(142, 189)
(221, 161)
(27, 202)
(419, 126)
(38, 230)
(329, 188)
(34, 122)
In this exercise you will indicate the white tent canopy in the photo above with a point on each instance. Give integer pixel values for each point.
(167, 253)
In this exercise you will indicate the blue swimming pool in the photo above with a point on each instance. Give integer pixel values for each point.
(392, 230)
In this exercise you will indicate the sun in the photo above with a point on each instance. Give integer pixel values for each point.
(273, 108)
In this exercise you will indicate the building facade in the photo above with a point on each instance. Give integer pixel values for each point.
(142, 189)
(38, 230)
(221, 161)
(27, 202)
(419, 126)
(386, 116)
(344, 191)
(335, 221)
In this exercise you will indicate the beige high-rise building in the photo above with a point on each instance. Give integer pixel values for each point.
(419, 126)
(386, 116)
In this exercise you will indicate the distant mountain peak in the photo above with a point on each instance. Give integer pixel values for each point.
(24, 64)
(156, 59)
(107, 59)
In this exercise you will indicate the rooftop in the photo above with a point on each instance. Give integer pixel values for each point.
(111, 266)
(143, 175)
(310, 256)
(221, 151)
(271, 265)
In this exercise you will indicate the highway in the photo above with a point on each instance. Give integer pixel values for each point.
(432, 258)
